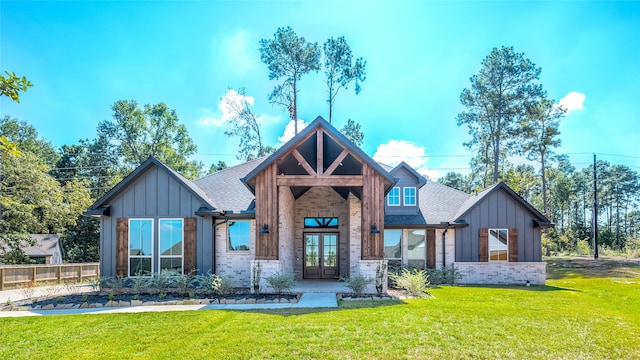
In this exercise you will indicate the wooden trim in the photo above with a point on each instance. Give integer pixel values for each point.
(337, 162)
(303, 162)
(189, 260)
(431, 248)
(483, 245)
(122, 247)
(513, 245)
(304, 180)
(319, 152)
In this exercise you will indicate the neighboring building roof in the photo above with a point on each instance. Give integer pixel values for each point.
(100, 206)
(473, 201)
(46, 245)
(315, 124)
(230, 193)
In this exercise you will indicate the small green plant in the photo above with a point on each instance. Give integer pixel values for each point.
(257, 274)
(9, 302)
(222, 285)
(34, 301)
(161, 295)
(281, 282)
(192, 295)
(136, 297)
(445, 275)
(112, 296)
(85, 297)
(413, 281)
(60, 299)
(357, 283)
(165, 279)
(115, 284)
(204, 281)
(182, 282)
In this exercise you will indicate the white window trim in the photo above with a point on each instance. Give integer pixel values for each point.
(229, 251)
(489, 244)
(160, 256)
(138, 256)
(424, 255)
(404, 196)
(389, 197)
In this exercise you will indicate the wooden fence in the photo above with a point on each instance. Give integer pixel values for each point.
(16, 276)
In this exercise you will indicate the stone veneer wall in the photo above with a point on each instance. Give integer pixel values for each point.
(268, 268)
(354, 208)
(501, 272)
(287, 229)
(370, 269)
(321, 202)
(234, 264)
(449, 247)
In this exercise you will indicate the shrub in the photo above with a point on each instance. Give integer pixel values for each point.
(281, 282)
(413, 281)
(204, 281)
(222, 285)
(182, 283)
(357, 283)
(446, 275)
(165, 279)
(27, 290)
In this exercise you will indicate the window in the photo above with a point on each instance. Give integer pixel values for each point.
(171, 248)
(393, 198)
(416, 256)
(409, 196)
(321, 222)
(393, 244)
(238, 235)
(498, 246)
(140, 247)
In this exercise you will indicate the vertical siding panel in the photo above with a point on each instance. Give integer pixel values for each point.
(140, 203)
(151, 191)
(163, 194)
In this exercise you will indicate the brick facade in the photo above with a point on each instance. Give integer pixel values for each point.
(234, 264)
(501, 272)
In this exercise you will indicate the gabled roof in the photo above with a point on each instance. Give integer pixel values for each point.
(100, 207)
(412, 171)
(45, 245)
(231, 194)
(319, 122)
(473, 201)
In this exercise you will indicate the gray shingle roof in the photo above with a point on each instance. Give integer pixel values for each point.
(45, 245)
(439, 203)
(227, 189)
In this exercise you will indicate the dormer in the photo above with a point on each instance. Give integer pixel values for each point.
(403, 198)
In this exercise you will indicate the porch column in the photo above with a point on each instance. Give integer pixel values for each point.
(267, 220)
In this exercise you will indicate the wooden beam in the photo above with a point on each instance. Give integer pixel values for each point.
(337, 162)
(319, 152)
(303, 180)
(303, 162)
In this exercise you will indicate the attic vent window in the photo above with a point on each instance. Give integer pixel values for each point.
(321, 222)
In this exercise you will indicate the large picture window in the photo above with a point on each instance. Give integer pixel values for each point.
(498, 244)
(417, 252)
(171, 244)
(140, 247)
(409, 196)
(393, 198)
(393, 244)
(238, 235)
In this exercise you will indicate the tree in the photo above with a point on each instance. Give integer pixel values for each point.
(288, 57)
(11, 85)
(456, 181)
(24, 137)
(541, 131)
(496, 101)
(245, 125)
(352, 131)
(340, 70)
(154, 130)
(215, 167)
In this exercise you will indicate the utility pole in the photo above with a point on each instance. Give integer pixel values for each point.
(595, 210)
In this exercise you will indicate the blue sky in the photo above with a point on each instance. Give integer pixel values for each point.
(84, 56)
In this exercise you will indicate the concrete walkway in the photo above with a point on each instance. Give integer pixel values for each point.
(307, 300)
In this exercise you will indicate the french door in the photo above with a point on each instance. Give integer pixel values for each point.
(320, 256)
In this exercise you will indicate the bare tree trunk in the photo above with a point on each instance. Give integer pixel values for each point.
(294, 111)
(544, 185)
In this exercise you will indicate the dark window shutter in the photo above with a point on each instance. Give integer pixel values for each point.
(513, 245)
(122, 247)
(431, 248)
(189, 245)
(483, 245)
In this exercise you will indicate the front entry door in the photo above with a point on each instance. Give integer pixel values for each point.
(320, 256)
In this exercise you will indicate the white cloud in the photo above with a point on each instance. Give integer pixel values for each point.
(572, 101)
(289, 131)
(238, 51)
(227, 112)
(396, 151)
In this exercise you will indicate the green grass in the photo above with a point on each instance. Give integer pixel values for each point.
(584, 312)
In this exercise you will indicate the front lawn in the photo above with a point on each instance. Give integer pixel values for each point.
(581, 313)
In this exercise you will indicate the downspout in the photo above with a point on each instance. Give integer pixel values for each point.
(215, 224)
(444, 234)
